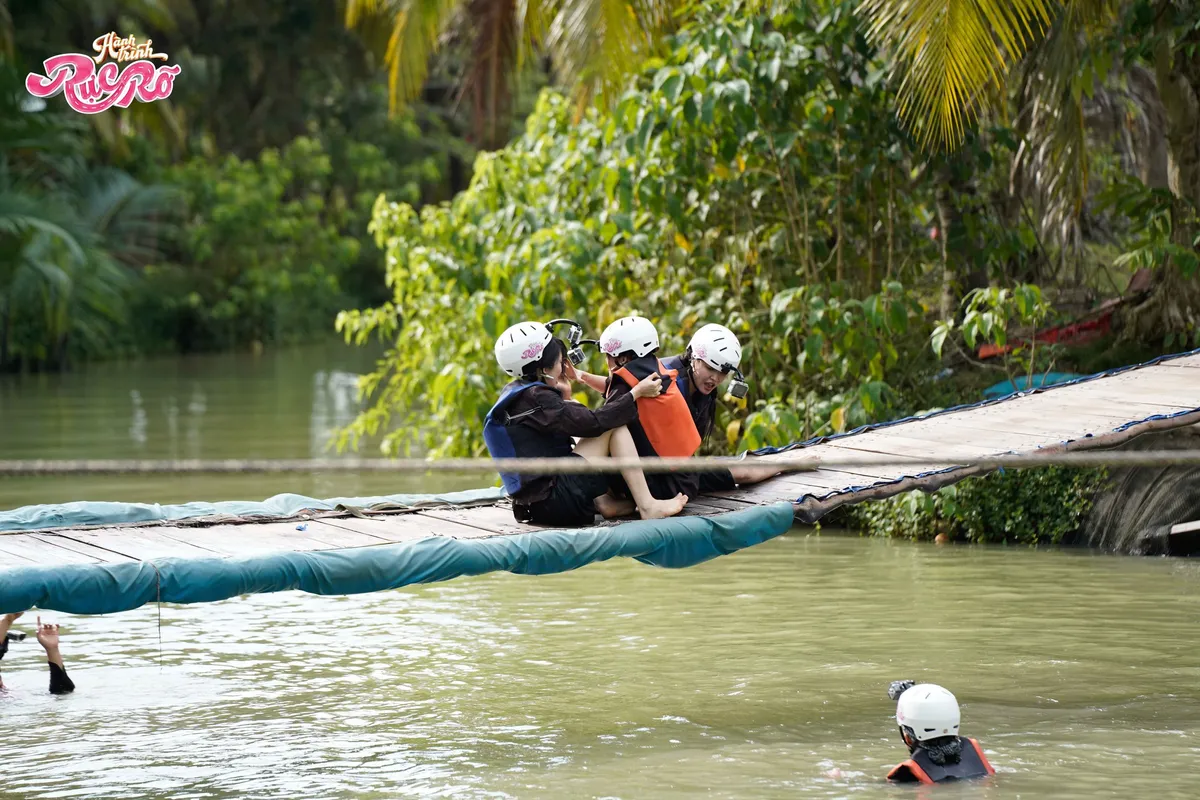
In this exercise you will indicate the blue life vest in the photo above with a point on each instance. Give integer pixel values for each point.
(676, 363)
(505, 439)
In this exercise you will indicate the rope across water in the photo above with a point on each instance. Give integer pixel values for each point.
(794, 461)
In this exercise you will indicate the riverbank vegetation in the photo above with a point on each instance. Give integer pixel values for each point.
(884, 227)
(234, 212)
(756, 173)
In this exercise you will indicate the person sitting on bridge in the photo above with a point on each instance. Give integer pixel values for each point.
(664, 426)
(711, 357)
(535, 417)
(47, 636)
(928, 718)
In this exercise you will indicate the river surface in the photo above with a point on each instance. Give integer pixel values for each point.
(761, 674)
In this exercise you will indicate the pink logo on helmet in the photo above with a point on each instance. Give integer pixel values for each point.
(612, 346)
(701, 353)
(533, 351)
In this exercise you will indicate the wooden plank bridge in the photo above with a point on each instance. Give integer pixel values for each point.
(1099, 412)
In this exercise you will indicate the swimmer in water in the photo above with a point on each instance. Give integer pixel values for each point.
(928, 718)
(47, 636)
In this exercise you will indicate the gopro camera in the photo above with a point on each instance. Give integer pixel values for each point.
(738, 386)
(15, 637)
(574, 339)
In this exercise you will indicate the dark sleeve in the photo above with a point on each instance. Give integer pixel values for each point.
(902, 773)
(556, 415)
(60, 683)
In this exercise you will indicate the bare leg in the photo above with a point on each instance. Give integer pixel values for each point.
(611, 507)
(619, 444)
(762, 468)
(592, 449)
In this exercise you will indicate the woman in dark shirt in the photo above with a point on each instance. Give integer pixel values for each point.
(536, 416)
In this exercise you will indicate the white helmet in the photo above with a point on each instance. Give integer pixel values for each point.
(929, 711)
(716, 346)
(629, 333)
(521, 344)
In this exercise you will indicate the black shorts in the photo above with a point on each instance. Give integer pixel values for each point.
(717, 482)
(662, 485)
(571, 504)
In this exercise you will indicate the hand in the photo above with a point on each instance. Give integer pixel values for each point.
(563, 386)
(47, 635)
(650, 386)
(569, 372)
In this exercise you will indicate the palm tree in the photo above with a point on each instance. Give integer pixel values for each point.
(953, 59)
(592, 45)
(71, 236)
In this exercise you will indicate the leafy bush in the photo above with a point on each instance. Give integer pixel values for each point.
(753, 177)
(272, 249)
(1029, 506)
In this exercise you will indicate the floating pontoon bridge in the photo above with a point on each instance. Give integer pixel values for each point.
(93, 557)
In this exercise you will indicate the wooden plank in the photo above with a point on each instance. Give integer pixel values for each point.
(389, 529)
(1183, 361)
(726, 503)
(99, 553)
(11, 560)
(493, 519)
(1186, 527)
(139, 544)
(41, 552)
(248, 540)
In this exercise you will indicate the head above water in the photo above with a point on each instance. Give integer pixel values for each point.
(926, 713)
(628, 338)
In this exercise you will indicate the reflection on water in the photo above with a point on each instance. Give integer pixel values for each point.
(282, 404)
(750, 676)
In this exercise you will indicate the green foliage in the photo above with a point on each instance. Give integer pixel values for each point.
(271, 243)
(745, 179)
(1030, 506)
(70, 234)
(988, 316)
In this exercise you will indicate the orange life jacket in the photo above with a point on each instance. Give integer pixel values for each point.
(972, 764)
(665, 418)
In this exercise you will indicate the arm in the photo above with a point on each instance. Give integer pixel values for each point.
(595, 382)
(586, 378)
(555, 415)
(47, 636)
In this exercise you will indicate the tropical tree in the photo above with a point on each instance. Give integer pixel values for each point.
(592, 45)
(71, 236)
(953, 61)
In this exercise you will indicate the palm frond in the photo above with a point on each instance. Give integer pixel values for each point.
(412, 37)
(595, 43)
(1053, 154)
(6, 30)
(22, 214)
(1058, 102)
(949, 52)
(130, 219)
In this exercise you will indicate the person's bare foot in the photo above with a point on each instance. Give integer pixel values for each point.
(661, 509)
(612, 508)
